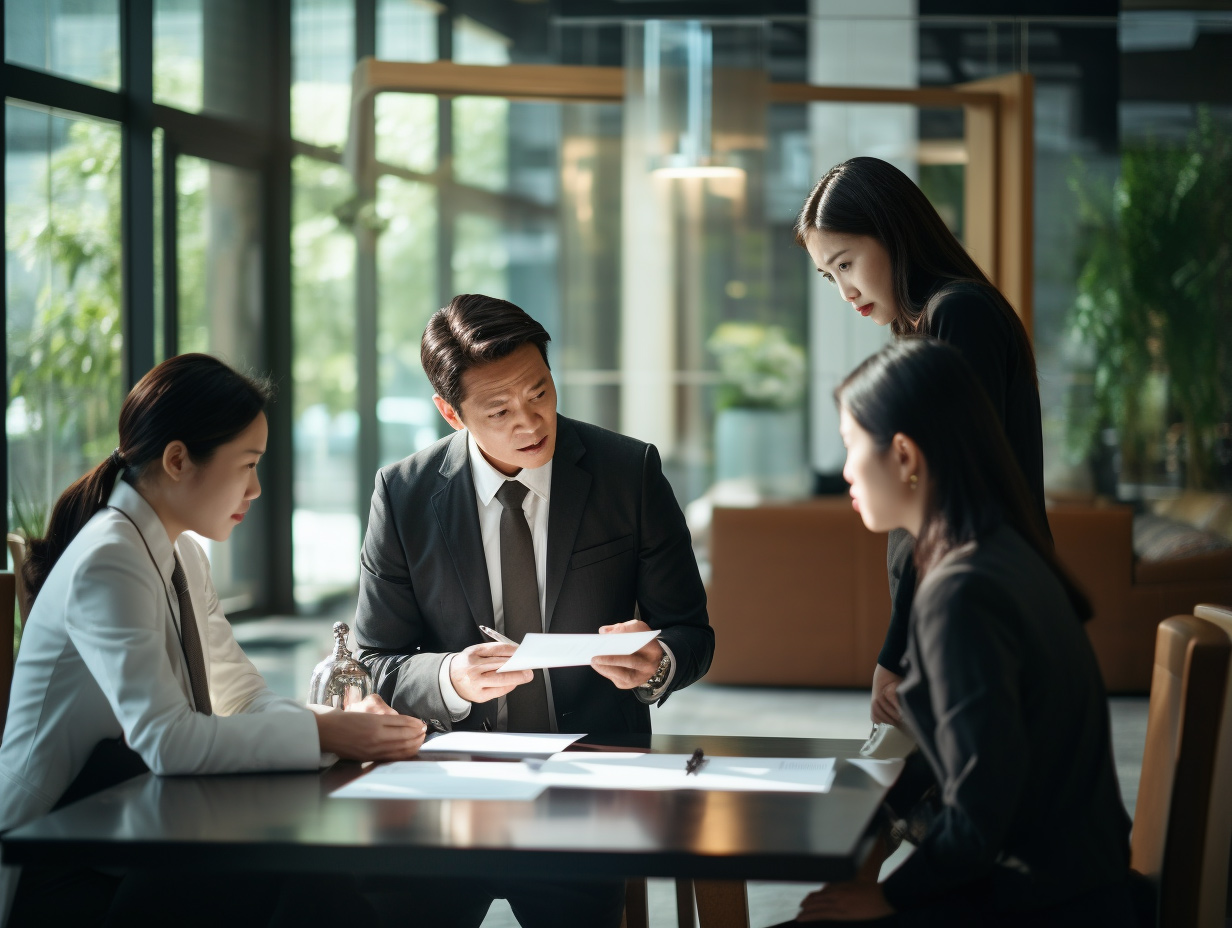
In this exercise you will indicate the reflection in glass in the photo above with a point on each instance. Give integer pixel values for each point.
(63, 293)
(325, 524)
(219, 301)
(177, 53)
(77, 39)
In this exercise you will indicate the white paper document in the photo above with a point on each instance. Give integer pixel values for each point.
(667, 771)
(538, 651)
(497, 743)
(425, 779)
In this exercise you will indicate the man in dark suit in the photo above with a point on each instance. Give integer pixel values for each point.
(523, 520)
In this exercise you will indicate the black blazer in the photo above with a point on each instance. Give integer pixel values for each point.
(966, 316)
(1005, 699)
(616, 540)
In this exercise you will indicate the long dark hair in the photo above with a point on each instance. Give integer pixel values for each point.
(924, 389)
(868, 196)
(192, 398)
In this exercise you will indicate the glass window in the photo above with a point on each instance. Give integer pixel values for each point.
(219, 301)
(481, 142)
(77, 39)
(62, 278)
(407, 267)
(212, 57)
(325, 524)
(323, 59)
(406, 30)
(406, 131)
(177, 54)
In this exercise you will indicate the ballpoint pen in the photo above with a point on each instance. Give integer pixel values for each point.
(497, 636)
(694, 763)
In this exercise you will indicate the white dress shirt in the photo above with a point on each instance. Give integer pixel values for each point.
(101, 657)
(488, 481)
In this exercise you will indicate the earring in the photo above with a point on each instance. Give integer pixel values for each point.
(914, 480)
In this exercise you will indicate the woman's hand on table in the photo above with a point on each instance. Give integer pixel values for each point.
(370, 730)
(885, 696)
(852, 901)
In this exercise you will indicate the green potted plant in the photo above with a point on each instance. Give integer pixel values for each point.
(1154, 307)
(759, 426)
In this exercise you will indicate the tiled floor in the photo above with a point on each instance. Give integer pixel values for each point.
(285, 651)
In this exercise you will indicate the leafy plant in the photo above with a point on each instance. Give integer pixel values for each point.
(1154, 303)
(761, 367)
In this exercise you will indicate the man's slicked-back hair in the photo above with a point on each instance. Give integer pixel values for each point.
(474, 329)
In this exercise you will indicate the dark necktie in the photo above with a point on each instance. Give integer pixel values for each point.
(190, 637)
(528, 703)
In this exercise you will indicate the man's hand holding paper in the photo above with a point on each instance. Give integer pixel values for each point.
(475, 672)
(629, 671)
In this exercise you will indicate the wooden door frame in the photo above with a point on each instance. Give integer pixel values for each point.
(998, 212)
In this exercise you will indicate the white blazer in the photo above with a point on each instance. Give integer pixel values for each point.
(100, 657)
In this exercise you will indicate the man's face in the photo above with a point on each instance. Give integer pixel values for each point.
(509, 409)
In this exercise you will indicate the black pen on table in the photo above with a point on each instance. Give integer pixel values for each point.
(694, 763)
(497, 636)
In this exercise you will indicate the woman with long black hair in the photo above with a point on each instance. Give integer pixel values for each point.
(127, 661)
(1002, 692)
(871, 231)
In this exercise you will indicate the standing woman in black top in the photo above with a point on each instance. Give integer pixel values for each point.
(873, 234)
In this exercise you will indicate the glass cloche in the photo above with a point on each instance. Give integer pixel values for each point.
(339, 680)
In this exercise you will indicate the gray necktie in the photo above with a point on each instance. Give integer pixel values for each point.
(190, 637)
(528, 703)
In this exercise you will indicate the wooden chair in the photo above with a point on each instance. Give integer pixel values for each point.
(8, 597)
(1221, 616)
(17, 550)
(1181, 836)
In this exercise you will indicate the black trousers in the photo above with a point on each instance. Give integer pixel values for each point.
(463, 903)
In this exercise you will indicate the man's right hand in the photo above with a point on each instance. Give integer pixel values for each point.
(885, 696)
(473, 672)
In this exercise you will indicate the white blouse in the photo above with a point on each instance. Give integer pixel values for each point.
(101, 657)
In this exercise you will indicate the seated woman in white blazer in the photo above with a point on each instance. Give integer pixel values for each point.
(127, 660)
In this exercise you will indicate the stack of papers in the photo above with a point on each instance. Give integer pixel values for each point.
(527, 779)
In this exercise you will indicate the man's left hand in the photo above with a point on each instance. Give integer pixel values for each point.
(851, 901)
(629, 671)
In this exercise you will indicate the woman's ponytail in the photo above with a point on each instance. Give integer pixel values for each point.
(75, 507)
(192, 398)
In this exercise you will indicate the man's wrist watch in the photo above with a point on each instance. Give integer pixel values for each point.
(660, 674)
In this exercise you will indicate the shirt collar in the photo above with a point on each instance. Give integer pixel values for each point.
(126, 498)
(488, 480)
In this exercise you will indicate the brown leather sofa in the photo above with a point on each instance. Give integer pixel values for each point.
(799, 597)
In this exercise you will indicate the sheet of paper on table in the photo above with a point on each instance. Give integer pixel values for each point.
(497, 743)
(538, 651)
(445, 780)
(667, 771)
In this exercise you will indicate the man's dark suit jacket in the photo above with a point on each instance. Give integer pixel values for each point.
(616, 539)
(1005, 698)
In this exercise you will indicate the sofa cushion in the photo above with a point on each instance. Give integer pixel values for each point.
(1157, 538)
(1201, 509)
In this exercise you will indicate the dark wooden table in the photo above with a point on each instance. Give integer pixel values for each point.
(288, 823)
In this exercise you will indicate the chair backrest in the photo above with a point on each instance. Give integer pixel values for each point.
(17, 549)
(8, 594)
(1217, 864)
(1186, 726)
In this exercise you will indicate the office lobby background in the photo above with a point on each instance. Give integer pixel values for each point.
(182, 175)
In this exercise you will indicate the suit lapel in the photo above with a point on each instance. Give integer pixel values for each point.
(570, 487)
(457, 515)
